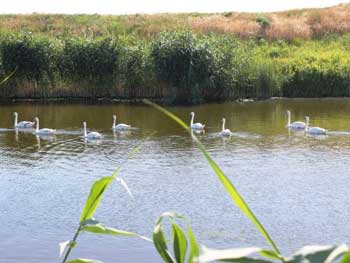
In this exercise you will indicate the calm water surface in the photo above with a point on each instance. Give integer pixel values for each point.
(297, 185)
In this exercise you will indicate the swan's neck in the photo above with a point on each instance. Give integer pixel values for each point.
(16, 120)
(289, 119)
(114, 122)
(37, 125)
(192, 119)
(85, 132)
(223, 125)
(307, 125)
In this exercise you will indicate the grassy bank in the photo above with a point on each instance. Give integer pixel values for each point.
(172, 58)
(288, 25)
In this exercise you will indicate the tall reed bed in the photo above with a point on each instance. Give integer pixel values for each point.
(175, 67)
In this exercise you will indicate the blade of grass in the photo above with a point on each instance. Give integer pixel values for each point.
(84, 260)
(95, 197)
(8, 77)
(161, 244)
(230, 188)
(230, 255)
(98, 228)
(179, 242)
(194, 252)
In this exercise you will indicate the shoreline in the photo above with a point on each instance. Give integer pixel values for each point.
(136, 101)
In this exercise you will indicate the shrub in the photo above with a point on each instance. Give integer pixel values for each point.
(93, 62)
(34, 58)
(186, 63)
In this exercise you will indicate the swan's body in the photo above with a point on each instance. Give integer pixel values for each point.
(298, 125)
(91, 135)
(22, 124)
(196, 126)
(44, 131)
(225, 132)
(120, 126)
(314, 130)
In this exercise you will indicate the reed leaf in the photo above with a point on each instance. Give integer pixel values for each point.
(161, 244)
(194, 252)
(180, 243)
(84, 260)
(230, 255)
(346, 258)
(95, 197)
(229, 187)
(8, 76)
(318, 254)
(92, 202)
(96, 227)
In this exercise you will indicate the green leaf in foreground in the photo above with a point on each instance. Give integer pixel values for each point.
(318, 254)
(345, 258)
(194, 252)
(230, 255)
(95, 196)
(230, 188)
(161, 244)
(179, 242)
(84, 260)
(98, 228)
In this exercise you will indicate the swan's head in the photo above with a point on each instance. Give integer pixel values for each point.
(288, 112)
(223, 119)
(307, 118)
(114, 117)
(36, 119)
(84, 123)
(192, 113)
(15, 113)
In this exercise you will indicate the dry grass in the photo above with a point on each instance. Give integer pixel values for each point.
(222, 24)
(288, 28)
(287, 25)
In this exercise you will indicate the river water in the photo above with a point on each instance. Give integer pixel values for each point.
(297, 185)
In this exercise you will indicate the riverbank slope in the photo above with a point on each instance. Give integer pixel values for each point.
(177, 58)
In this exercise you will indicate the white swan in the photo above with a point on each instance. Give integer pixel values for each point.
(120, 126)
(91, 135)
(295, 125)
(196, 126)
(313, 130)
(22, 124)
(44, 131)
(224, 132)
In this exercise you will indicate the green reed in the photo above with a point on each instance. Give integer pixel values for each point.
(176, 67)
(89, 224)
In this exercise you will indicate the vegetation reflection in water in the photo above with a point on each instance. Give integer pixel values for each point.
(180, 241)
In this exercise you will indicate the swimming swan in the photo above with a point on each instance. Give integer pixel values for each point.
(22, 124)
(44, 131)
(313, 130)
(196, 126)
(296, 124)
(224, 132)
(91, 135)
(120, 126)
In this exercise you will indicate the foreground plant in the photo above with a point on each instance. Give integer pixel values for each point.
(308, 254)
(185, 245)
(179, 239)
(88, 224)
